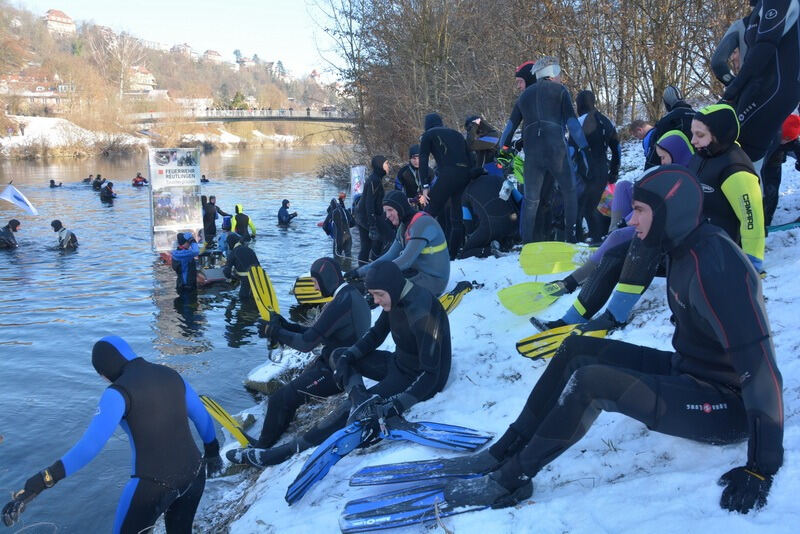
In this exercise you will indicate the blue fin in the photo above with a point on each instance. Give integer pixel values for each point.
(439, 435)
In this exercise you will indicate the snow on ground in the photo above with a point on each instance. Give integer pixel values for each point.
(620, 477)
(278, 139)
(55, 132)
(223, 137)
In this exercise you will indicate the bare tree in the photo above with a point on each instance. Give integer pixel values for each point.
(115, 55)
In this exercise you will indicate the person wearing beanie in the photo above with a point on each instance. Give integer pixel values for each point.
(369, 214)
(407, 179)
(482, 139)
(523, 76)
(66, 239)
(7, 238)
(679, 117)
(415, 371)
(241, 223)
(546, 113)
(419, 248)
(766, 89)
(455, 166)
(601, 134)
(168, 473)
(340, 323)
(488, 218)
(719, 385)
(733, 199)
(771, 172)
(240, 259)
(284, 217)
(184, 264)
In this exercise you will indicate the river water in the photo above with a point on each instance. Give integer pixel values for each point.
(54, 306)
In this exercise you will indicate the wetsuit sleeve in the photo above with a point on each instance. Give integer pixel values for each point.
(390, 255)
(185, 254)
(571, 121)
(369, 201)
(730, 302)
(410, 252)
(612, 141)
(373, 338)
(328, 321)
(199, 415)
(252, 226)
(726, 47)
(219, 210)
(110, 411)
(744, 195)
(768, 35)
(511, 125)
(424, 155)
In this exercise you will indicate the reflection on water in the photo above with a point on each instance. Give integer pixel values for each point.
(55, 305)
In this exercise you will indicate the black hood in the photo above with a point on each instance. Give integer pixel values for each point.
(469, 119)
(671, 96)
(377, 165)
(328, 274)
(675, 196)
(724, 126)
(110, 355)
(285, 202)
(413, 150)
(386, 276)
(56, 224)
(13, 224)
(231, 240)
(433, 120)
(398, 201)
(585, 102)
(525, 71)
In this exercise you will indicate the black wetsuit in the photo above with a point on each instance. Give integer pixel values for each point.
(490, 217)
(678, 118)
(454, 166)
(341, 323)
(721, 385)
(284, 217)
(210, 211)
(545, 109)
(733, 39)
(482, 139)
(601, 135)
(107, 194)
(7, 238)
(337, 224)
(240, 259)
(771, 175)
(416, 370)
(369, 213)
(767, 88)
(408, 181)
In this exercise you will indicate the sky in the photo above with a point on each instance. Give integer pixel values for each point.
(283, 30)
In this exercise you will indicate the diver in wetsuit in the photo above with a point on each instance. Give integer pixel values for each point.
(487, 217)
(767, 88)
(284, 217)
(720, 384)
(107, 193)
(482, 139)
(242, 223)
(240, 259)
(368, 211)
(183, 263)
(153, 404)
(407, 179)
(66, 239)
(679, 117)
(7, 238)
(337, 224)
(545, 109)
(340, 323)
(454, 168)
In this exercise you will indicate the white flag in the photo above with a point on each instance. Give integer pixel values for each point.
(13, 195)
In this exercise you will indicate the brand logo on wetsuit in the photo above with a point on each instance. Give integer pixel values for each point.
(771, 14)
(706, 188)
(707, 407)
(748, 210)
(677, 299)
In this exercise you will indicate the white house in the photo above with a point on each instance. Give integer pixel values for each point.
(59, 23)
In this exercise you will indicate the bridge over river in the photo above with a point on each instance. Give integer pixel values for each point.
(241, 115)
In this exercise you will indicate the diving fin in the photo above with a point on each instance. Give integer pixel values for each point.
(550, 257)
(528, 297)
(438, 435)
(545, 344)
(452, 299)
(469, 466)
(263, 292)
(305, 292)
(333, 449)
(226, 420)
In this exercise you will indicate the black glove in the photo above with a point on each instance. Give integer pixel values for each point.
(352, 275)
(744, 489)
(365, 409)
(374, 235)
(212, 459)
(341, 364)
(269, 329)
(33, 487)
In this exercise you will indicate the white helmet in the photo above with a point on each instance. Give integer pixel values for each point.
(546, 67)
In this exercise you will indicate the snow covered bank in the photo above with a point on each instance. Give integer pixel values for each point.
(55, 136)
(619, 478)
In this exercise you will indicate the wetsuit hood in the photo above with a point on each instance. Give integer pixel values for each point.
(110, 355)
(56, 224)
(469, 119)
(13, 224)
(413, 151)
(724, 126)
(232, 239)
(398, 201)
(377, 165)
(671, 97)
(285, 203)
(386, 276)
(238, 209)
(525, 71)
(328, 274)
(433, 120)
(203, 200)
(585, 102)
(675, 196)
(678, 146)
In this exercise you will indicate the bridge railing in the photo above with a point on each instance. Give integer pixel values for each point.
(212, 113)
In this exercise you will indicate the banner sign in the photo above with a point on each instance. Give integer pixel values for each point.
(174, 195)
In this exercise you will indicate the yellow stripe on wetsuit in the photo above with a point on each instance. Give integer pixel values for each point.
(744, 195)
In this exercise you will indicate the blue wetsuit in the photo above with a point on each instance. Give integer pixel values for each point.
(184, 266)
